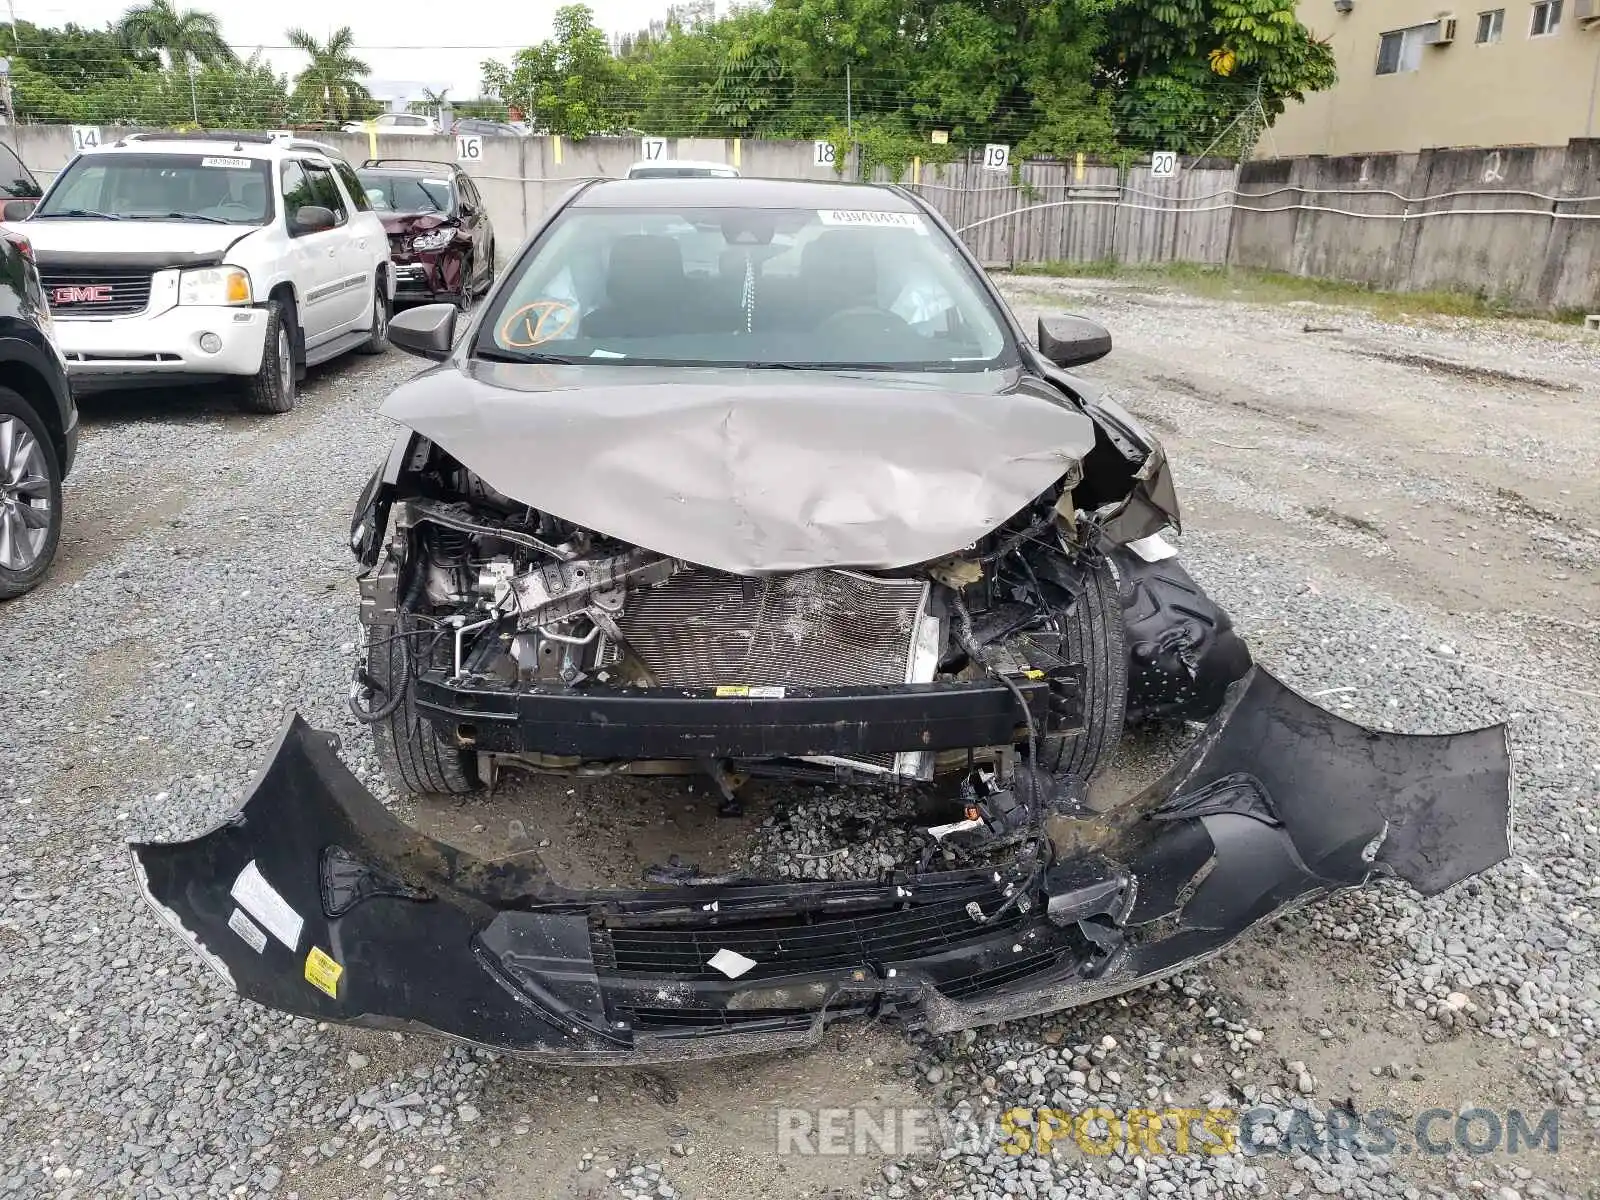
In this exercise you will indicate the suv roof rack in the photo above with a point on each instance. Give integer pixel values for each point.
(254, 137)
(409, 162)
(309, 147)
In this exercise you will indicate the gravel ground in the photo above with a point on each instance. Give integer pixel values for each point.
(1403, 519)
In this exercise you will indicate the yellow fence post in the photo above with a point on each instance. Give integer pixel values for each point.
(555, 148)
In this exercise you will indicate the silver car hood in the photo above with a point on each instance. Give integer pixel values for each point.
(756, 471)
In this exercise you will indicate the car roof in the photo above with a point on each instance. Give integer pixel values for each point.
(409, 166)
(743, 193)
(254, 145)
(683, 163)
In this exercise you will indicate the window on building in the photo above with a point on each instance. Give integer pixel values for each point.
(1491, 25)
(1546, 18)
(1401, 49)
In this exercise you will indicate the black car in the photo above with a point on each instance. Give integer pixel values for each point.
(440, 237)
(38, 423)
(817, 509)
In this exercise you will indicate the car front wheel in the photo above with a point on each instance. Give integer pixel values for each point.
(30, 496)
(1097, 639)
(413, 757)
(272, 388)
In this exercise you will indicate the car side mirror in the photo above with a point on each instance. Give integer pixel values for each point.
(17, 210)
(429, 331)
(313, 218)
(1071, 341)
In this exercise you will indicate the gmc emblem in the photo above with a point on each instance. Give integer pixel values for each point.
(91, 293)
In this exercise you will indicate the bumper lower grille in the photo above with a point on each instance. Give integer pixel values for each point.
(826, 628)
(93, 292)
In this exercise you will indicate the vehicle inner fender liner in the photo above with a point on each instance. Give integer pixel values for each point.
(313, 899)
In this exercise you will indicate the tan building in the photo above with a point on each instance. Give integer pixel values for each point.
(1417, 74)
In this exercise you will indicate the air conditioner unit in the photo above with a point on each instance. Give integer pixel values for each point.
(1441, 33)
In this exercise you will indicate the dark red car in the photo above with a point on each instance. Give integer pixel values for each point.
(439, 232)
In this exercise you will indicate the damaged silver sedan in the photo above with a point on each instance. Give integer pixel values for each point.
(749, 478)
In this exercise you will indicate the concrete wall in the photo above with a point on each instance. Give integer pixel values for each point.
(1519, 224)
(1521, 90)
(1493, 222)
(520, 178)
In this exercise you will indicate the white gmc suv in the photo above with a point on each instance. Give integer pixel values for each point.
(174, 257)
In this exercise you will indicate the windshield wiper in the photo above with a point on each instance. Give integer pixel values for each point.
(528, 357)
(824, 366)
(181, 216)
(77, 212)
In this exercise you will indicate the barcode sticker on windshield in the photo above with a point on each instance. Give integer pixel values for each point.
(880, 220)
(234, 163)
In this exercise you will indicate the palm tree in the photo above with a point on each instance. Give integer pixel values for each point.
(331, 83)
(186, 36)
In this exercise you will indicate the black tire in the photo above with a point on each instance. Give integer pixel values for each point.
(411, 754)
(272, 388)
(30, 489)
(1095, 639)
(1183, 653)
(378, 337)
(488, 277)
(464, 300)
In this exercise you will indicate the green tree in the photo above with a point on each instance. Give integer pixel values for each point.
(1046, 76)
(1199, 73)
(177, 36)
(330, 88)
(72, 56)
(570, 84)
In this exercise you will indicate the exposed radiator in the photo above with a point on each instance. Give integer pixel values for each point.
(702, 628)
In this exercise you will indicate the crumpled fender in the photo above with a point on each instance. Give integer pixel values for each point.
(313, 899)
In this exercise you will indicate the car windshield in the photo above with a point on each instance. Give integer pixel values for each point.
(214, 188)
(406, 193)
(801, 288)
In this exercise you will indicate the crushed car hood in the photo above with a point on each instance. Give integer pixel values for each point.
(756, 471)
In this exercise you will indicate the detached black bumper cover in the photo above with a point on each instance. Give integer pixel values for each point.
(314, 900)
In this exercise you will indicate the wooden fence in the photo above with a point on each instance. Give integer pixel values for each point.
(1059, 212)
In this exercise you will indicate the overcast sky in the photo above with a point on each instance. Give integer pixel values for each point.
(435, 42)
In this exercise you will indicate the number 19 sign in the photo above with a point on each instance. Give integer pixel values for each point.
(996, 158)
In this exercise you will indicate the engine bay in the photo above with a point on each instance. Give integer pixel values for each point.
(480, 588)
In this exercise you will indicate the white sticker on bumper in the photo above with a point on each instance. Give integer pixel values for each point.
(262, 901)
(730, 962)
(247, 929)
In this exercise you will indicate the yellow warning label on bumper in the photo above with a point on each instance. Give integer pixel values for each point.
(323, 973)
(753, 693)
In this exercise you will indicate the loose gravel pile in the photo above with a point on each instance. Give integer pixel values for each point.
(146, 689)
